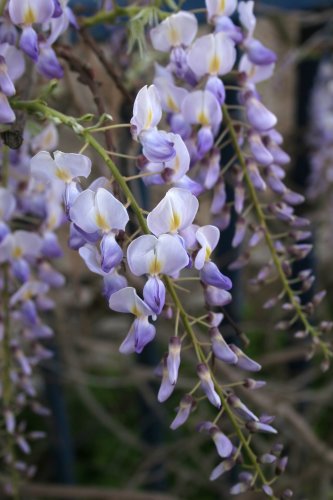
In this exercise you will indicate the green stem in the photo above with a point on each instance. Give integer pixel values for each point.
(268, 237)
(41, 108)
(109, 17)
(2, 6)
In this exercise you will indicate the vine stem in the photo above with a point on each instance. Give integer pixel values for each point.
(2, 6)
(269, 238)
(109, 17)
(43, 109)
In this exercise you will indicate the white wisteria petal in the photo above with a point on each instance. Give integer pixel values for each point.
(83, 212)
(202, 107)
(47, 139)
(217, 8)
(7, 204)
(29, 243)
(171, 252)
(64, 167)
(208, 237)
(212, 54)
(98, 211)
(126, 300)
(147, 111)
(15, 57)
(110, 210)
(42, 166)
(150, 255)
(177, 29)
(72, 164)
(27, 12)
(20, 244)
(171, 96)
(141, 255)
(92, 258)
(176, 211)
(255, 74)
(180, 164)
(246, 16)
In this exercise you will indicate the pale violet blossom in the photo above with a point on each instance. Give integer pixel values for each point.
(172, 170)
(247, 17)
(141, 332)
(219, 8)
(201, 107)
(46, 140)
(147, 111)
(20, 244)
(255, 73)
(64, 166)
(154, 256)
(175, 212)
(26, 13)
(177, 30)
(7, 204)
(98, 211)
(208, 238)
(212, 54)
(171, 95)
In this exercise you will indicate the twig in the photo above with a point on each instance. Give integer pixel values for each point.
(98, 51)
(88, 492)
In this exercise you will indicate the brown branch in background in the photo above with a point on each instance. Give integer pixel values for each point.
(236, 328)
(98, 51)
(88, 492)
(86, 77)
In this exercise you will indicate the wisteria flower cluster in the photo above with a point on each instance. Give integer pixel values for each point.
(202, 104)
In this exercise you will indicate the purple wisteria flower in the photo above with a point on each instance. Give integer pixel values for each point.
(26, 13)
(141, 332)
(153, 255)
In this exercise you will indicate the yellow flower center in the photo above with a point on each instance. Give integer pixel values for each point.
(175, 222)
(135, 311)
(203, 118)
(17, 252)
(221, 6)
(155, 266)
(208, 252)
(171, 104)
(62, 175)
(174, 36)
(29, 16)
(149, 118)
(214, 65)
(101, 222)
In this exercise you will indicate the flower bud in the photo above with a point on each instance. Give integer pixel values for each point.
(173, 359)
(221, 349)
(207, 385)
(185, 407)
(240, 409)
